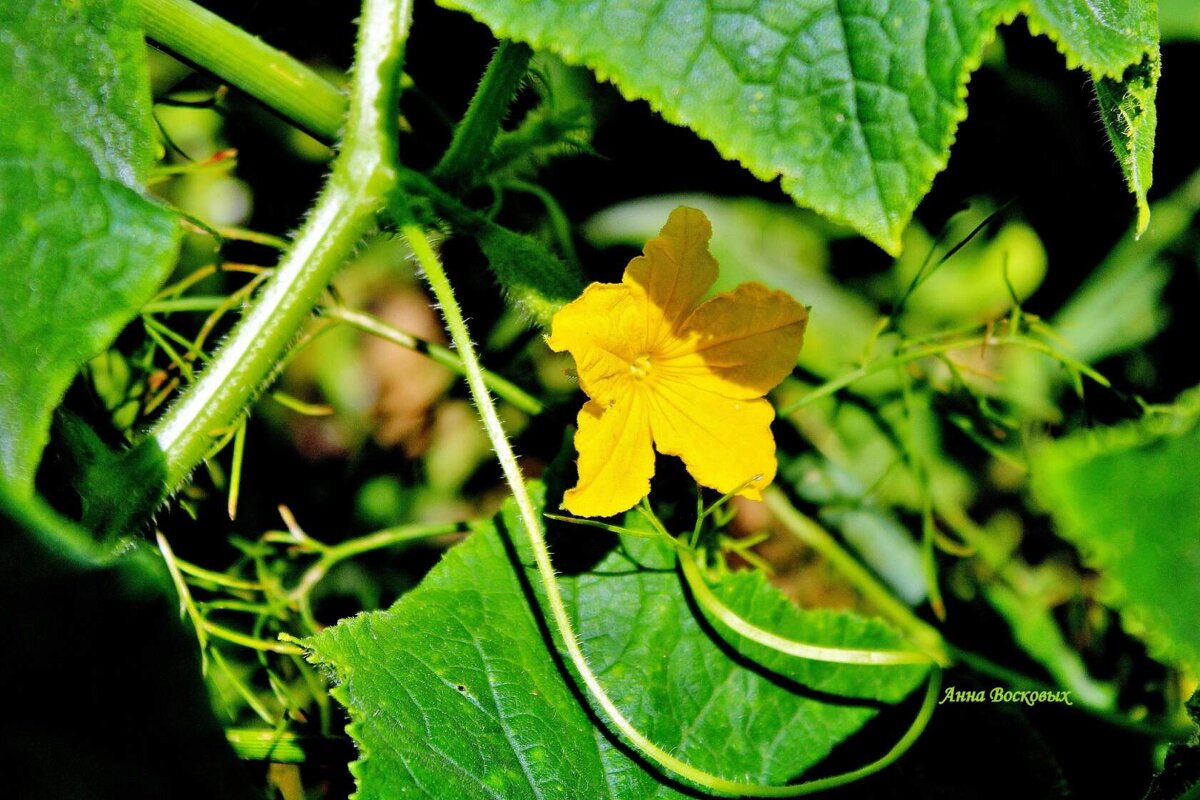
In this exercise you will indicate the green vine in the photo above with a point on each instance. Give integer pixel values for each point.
(362, 175)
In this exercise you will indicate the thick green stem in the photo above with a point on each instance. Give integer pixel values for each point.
(474, 135)
(362, 175)
(271, 76)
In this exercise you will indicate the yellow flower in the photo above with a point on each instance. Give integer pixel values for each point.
(663, 372)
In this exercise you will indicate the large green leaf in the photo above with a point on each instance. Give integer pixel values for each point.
(83, 248)
(852, 103)
(104, 694)
(453, 692)
(1129, 498)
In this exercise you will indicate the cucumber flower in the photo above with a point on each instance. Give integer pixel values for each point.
(664, 371)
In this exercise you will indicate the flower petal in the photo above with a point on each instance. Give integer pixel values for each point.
(674, 272)
(740, 344)
(602, 329)
(616, 457)
(724, 442)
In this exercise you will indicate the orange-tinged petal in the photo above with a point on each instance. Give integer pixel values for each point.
(674, 272)
(602, 329)
(616, 457)
(723, 441)
(739, 344)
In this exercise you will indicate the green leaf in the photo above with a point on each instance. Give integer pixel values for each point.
(83, 247)
(105, 695)
(453, 692)
(852, 103)
(1129, 498)
(1128, 112)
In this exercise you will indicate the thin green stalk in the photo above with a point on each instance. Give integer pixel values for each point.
(186, 603)
(504, 388)
(923, 635)
(271, 76)
(835, 385)
(254, 643)
(560, 617)
(362, 175)
(332, 555)
(474, 135)
(245, 692)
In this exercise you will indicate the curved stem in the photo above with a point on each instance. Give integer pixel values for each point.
(813, 652)
(532, 521)
(269, 75)
(362, 175)
(923, 635)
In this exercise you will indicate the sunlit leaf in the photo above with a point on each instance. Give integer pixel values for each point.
(83, 247)
(1129, 498)
(853, 105)
(453, 691)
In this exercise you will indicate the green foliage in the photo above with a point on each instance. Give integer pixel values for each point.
(1131, 119)
(1129, 498)
(465, 652)
(82, 245)
(852, 108)
(534, 280)
(1180, 775)
(105, 694)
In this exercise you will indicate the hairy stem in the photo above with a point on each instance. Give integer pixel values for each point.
(474, 135)
(362, 175)
(271, 76)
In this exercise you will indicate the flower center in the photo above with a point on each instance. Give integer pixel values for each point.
(640, 368)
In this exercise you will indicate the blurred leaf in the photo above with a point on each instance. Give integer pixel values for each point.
(83, 246)
(1037, 633)
(105, 695)
(970, 286)
(1179, 20)
(453, 692)
(1129, 498)
(1119, 306)
(853, 104)
(885, 545)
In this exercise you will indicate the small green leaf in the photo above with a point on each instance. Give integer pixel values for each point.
(83, 247)
(1129, 115)
(853, 104)
(1129, 498)
(105, 695)
(453, 692)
